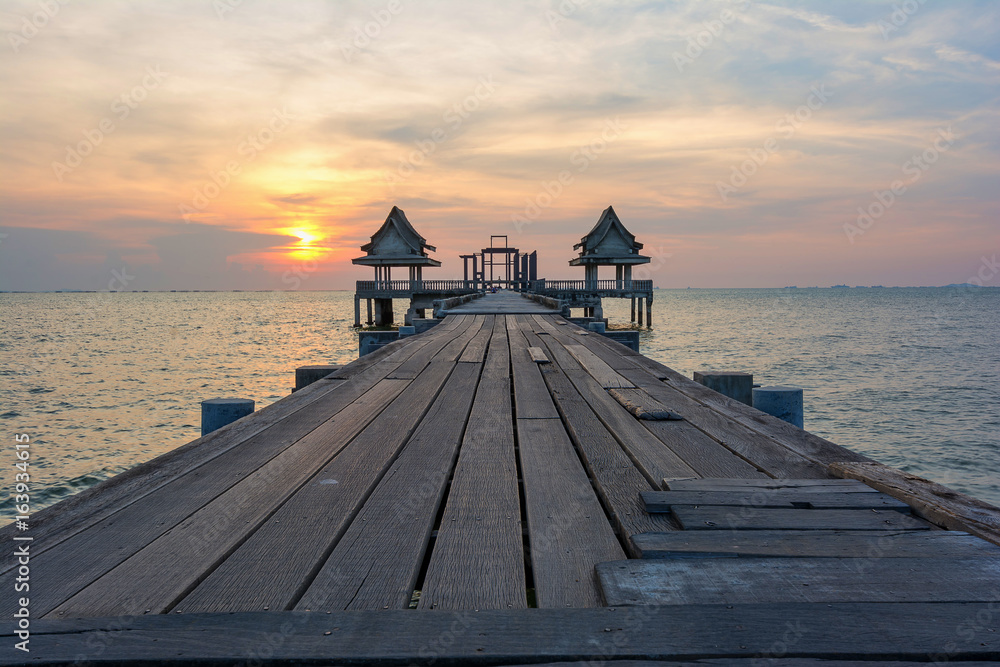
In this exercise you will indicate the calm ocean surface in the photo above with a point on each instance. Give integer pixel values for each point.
(102, 382)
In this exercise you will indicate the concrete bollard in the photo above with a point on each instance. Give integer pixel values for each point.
(422, 324)
(785, 403)
(217, 412)
(737, 386)
(597, 327)
(369, 341)
(306, 375)
(407, 331)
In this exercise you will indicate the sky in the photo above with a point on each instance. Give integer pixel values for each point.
(242, 144)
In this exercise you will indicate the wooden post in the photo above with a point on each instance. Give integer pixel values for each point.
(633, 310)
(369, 311)
(357, 310)
(649, 311)
(640, 311)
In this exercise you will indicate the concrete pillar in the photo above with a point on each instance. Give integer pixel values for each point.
(217, 412)
(306, 375)
(598, 311)
(737, 386)
(357, 310)
(370, 320)
(782, 402)
(633, 310)
(383, 312)
(628, 276)
(649, 311)
(640, 310)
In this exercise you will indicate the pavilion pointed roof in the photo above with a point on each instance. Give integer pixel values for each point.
(397, 243)
(609, 242)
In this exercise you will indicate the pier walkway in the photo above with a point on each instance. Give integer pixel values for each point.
(504, 302)
(479, 494)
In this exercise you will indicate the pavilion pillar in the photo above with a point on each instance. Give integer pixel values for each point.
(633, 310)
(383, 312)
(649, 311)
(357, 310)
(370, 320)
(640, 311)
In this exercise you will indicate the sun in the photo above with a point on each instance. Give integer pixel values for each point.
(306, 249)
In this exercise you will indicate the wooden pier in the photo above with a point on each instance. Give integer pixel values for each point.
(507, 489)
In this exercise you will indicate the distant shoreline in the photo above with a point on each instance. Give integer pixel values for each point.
(263, 291)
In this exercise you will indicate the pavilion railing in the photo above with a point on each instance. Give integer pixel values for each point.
(413, 285)
(544, 286)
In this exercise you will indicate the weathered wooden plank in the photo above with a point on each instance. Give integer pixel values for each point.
(934, 502)
(263, 572)
(699, 454)
(375, 565)
(760, 450)
(538, 356)
(456, 347)
(649, 454)
(878, 631)
(810, 446)
(568, 532)
(751, 662)
(661, 501)
(55, 524)
(612, 353)
(531, 396)
(399, 349)
(704, 454)
(158, 575)
(643, 406)
(63, 571)
(743, 485)
(597, 367)
(818, 580)
(275, 426)
(814, 544)
(475, 351)
(478, 557)
(744, 423)
(451, 344)
(615, 476)
(750, 518)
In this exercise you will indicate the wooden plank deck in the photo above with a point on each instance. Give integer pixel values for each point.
(452, 480)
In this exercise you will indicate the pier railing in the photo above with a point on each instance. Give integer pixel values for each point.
(410, 286)
(602, 286)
